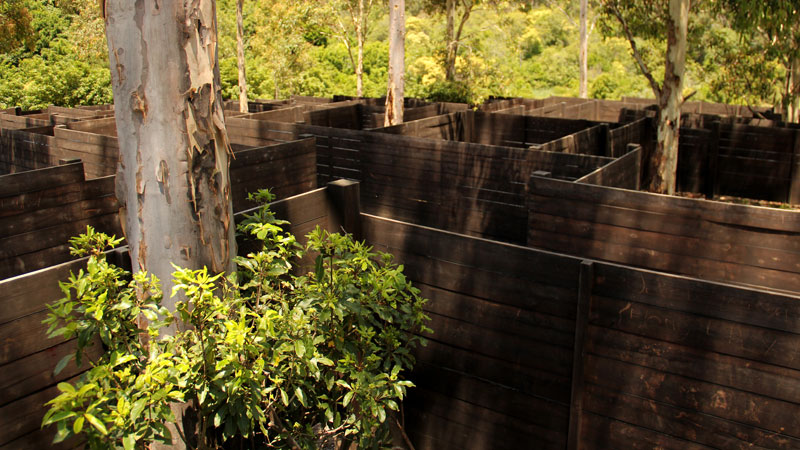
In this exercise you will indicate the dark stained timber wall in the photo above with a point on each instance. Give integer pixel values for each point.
(463, 187)
(496, 372)
(711, 240)
(28, 358)
(539, 350)
(41, 209)
(673, 362)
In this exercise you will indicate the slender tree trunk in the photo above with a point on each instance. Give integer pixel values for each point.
(240, 57)
(397, 47)
(665, 159)
(360, 25)
(584, 52)
(277, 86)
(450, 37)
(791, 98)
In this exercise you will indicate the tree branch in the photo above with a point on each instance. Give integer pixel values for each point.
(552, 4)
(636, 55)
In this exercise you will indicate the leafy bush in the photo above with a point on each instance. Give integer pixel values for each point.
(263, 356)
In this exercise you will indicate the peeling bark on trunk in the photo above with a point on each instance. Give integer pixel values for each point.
(397, 40)
(240, 57)
(584, 52)
(665, 158)
(172, 180)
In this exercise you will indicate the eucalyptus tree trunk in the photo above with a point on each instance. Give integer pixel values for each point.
(450, 37)
(360, 24)
(584, 52)
(397, 51)
(665, 159)
(172, 179)
(240, 57)
(791, 96)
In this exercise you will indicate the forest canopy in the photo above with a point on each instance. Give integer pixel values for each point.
(54, 52)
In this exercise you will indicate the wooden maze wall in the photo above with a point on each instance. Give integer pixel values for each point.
(41, 209)
(539, 350)
(468, 188)
(710, 240)
(28, 358)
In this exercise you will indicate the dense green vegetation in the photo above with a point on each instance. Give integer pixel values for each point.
(527, 49)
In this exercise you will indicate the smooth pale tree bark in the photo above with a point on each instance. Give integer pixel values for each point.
(669, 95)
(665, 159)
(452, 45)
(792, 93)
(397, 50)
(360, 25)
(240, 57)
(172, 180)
(584, 52)
(453, 34)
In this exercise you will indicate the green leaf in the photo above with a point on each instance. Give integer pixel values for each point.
(129, 442)
(381, 414)
(137, 408)
(299, 348)
(347, 397)
(63, 363)
(319, 270)
(77, 426)
(300, 396)
(66, 388)
(56, 416)
(96, 423)
(284, 397)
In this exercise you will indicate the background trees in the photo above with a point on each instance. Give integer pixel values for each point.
(506, 48)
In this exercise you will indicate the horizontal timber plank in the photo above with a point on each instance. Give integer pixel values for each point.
(770, 415)
(729, 371)
(502, 346)
(747, 306)
(744, 215)
(668, 245)
(498, 258)
(706, 333)
(681, 423)
(465, 425)
(18, 183)
(35, 372)
(600, 432)
(494, 316)
(48, 217)
(24, 416)
(543, 384)
(664, 223)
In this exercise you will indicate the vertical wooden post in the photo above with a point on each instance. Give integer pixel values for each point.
(712, 161)
(605, 141)
(346, 198)
(793, 196)
(585, 285)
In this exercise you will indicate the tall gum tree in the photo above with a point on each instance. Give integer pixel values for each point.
(397, 53)
(652, 18)
(172, 180)
(358, 24)
(776, 23)
(585, 29)
(240, 61)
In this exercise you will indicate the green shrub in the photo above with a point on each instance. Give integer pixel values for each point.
(263, 357)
